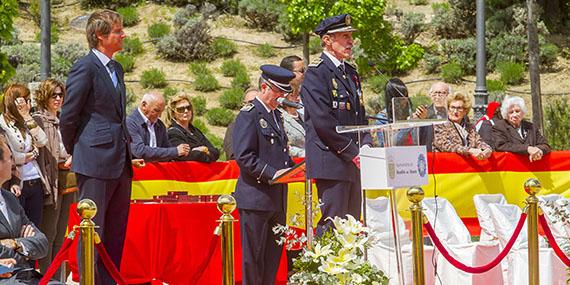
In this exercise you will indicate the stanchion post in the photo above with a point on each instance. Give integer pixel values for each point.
(532, 187)
(87, 209)
(226, 205)
(416, 195)
(309, 212)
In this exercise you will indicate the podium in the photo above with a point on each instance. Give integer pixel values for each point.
(398, 162)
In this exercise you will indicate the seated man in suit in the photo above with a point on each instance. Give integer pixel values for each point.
(148, 133)
(21, 242)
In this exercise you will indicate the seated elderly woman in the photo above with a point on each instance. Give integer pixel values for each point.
(458, 135)
(180, 115)
(514, 134)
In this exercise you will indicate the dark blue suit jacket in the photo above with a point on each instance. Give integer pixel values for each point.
(261, 149)
(332, 99)
(92, 121)
(141, 139)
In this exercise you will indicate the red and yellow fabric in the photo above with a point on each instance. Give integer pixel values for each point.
(452, 176)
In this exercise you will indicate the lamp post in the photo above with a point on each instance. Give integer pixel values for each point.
(45, 39)
(481, 95)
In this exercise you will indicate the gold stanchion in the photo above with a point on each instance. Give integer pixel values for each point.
(532, 187)
(226, 205)
(416, 195)
(87, 209)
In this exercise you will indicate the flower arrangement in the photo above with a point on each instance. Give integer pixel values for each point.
(337, 257)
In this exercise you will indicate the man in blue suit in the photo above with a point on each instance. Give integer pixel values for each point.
(262, 154)
(94, 130)
(148, 132)
(332, 96)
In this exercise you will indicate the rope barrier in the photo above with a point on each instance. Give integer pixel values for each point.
(202, 266)
(552, 241)
(59, 258)
(476, 269)
(111, 268)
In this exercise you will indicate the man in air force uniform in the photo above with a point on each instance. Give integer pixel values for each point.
(332, 96)
(260, 147)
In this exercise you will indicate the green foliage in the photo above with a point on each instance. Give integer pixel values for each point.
(170, 92)
(461, 51)
(548, 54)
(26, 73)
(192, 41)
(557, 124)
(199, 103)
(8, 11)
(219, 117)
(199, 67)
(431, 62)
(261, 14)
(442, 20)
(131, 100)
(265, 50)
(418, 2)
(108, 4)
(511, 72)
(206, 82)
(130, 16)
(451, 72)
(495, 85)
(241, 80)
(420, 100)
(224, 47)
(126, 60)
(183, 15)
(70, 51)
(133, 46)
(315, 45)
(232, 98)
(409, 57)
(158, 30)
(54, 35)
(232, 67)
(218, 143)
(200, 125)
(412, 25)
(26, 53)
(377, 83)
(153, 78)
(506, 47)
(60, 66)
(375, 103)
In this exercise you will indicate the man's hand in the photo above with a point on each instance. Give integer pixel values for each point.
(138, 162)
(356, 161)
(16, 190)
(8, 262)
(535, 153)
(183, 149)
(420, 113)
(27, 231)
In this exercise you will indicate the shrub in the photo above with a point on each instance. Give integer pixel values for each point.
(315, 45)
(420, 99)
(232, 98)
(495, 85)
(418, 2)
(27, 53)
(506, 47)
(431, 62)
(412, 26)
(126, 60)
(265, 50)
(231, 67)
(261, 14)
(109, 4)
(224, 47)
(133, 46)
(130, 16)
(442, 20)
(182, 16)
(557, 124)
(511, 72)
(158, 30)
(377, 83)
(548, 54)
(409, 57)
(461, 51)
(60, 66)
(199, 103)
(241, 81)
(191, 42)
(198, 68)
(169, 92)
(206, 83)
(200, 125)
(26, 73)
(70, 51)
(375, 103)
(131, 100)
(219, 117)
(153, 78)
(451, 72)
(54, 35)
(218, 143)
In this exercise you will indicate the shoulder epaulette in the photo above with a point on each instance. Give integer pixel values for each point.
(247, 107)
(316, 62)
(351, 64)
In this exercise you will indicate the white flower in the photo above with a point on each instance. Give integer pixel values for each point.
(332, 268)
(356, 278)
(320, 251)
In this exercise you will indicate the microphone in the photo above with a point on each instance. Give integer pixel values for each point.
(288, 103)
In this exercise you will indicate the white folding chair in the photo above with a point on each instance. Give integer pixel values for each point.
(482, 202)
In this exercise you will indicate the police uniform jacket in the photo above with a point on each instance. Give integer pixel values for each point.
(332, 98)
(260, 149)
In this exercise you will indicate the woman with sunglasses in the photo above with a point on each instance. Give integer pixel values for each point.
(52, 160)
(25, 139)
(180, 115)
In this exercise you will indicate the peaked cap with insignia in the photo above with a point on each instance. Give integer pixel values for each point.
(335, 24)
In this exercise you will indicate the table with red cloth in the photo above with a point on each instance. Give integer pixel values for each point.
(167, 242)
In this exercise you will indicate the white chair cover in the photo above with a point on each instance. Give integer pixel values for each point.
(379, 218)
(482, 202)
(448, 226)
(384, 258)
(505, 218)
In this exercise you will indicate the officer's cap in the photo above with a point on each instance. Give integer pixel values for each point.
(277, 76)
(340, 23)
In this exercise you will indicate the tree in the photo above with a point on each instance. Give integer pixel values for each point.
(8, 11)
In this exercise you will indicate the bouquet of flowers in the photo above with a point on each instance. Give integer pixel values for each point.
(337, 257)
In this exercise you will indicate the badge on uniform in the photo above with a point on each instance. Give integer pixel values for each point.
(335, 84)
(335, 104)
(263, 123)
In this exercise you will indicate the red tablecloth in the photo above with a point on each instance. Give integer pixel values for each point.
(168, 242)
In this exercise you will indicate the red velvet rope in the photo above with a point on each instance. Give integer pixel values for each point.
(200, 268)
(111, 268)
(477, 269)
(552, 241)
(59, 258)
